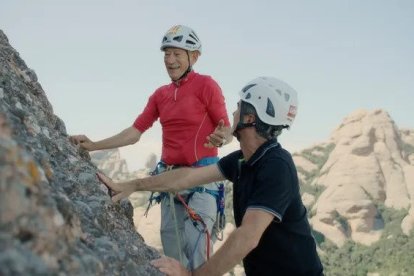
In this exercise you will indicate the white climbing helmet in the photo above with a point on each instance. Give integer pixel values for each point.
(182, 37)
(274, 100)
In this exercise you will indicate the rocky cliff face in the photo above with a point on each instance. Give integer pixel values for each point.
(55, 217)
(367, 164)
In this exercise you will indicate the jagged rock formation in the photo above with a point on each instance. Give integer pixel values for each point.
(55, 217)
(111, 163)
(367, 163)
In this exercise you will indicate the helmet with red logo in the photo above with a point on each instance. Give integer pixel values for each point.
(274, 100)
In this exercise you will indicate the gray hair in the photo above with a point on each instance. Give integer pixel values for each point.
(264, 130)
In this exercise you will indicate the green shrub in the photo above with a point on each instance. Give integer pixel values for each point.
(407, 148)
(393, 254)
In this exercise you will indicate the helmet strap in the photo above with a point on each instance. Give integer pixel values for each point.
(189, 69)
(240, 125)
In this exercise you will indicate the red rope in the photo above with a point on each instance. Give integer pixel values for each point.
(196, 217)
(208, 242)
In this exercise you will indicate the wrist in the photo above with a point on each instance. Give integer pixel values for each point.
(93, 146)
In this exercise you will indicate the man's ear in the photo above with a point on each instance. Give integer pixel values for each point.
(250, 118)
(194, 57)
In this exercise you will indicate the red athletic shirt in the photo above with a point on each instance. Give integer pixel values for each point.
(189, 111)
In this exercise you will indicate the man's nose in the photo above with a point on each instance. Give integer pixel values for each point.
(170, 59)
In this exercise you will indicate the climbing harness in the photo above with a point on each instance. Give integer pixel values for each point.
(192, 214)
(219, 195)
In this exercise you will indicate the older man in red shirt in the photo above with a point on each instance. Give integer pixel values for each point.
(194, 122)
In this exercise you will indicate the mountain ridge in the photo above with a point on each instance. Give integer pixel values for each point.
(366, 162)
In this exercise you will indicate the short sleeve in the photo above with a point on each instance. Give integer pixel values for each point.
(228, 165)
(273, 188)
(150, 114)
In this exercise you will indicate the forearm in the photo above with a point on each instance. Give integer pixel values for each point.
(175, 180)
(128, 136)
(236, 247)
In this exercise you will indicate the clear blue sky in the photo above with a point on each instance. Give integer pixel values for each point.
(99, 61)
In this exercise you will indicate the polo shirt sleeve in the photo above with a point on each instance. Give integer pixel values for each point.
(272, 190)
(228, 166)
(214, 101)
(150, 114)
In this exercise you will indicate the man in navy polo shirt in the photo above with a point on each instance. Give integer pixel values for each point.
(273, 236)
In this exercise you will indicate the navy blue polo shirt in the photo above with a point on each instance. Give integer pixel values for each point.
(268, 181)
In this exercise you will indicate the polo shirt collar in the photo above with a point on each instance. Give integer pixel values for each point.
(261, 151)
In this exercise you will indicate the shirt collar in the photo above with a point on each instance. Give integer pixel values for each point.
(261, 151)
(183, 81)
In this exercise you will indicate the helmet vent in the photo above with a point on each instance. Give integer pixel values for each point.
(190, 42)
(193, 36)
(178, 38)
(287, 97)
(270, 110)
(248, 96)
(248, 87)
(279, 92)
(164, 39)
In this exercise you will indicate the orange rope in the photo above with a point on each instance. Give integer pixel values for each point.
(196, 217)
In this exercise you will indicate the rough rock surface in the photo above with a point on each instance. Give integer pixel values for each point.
(55, 217)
